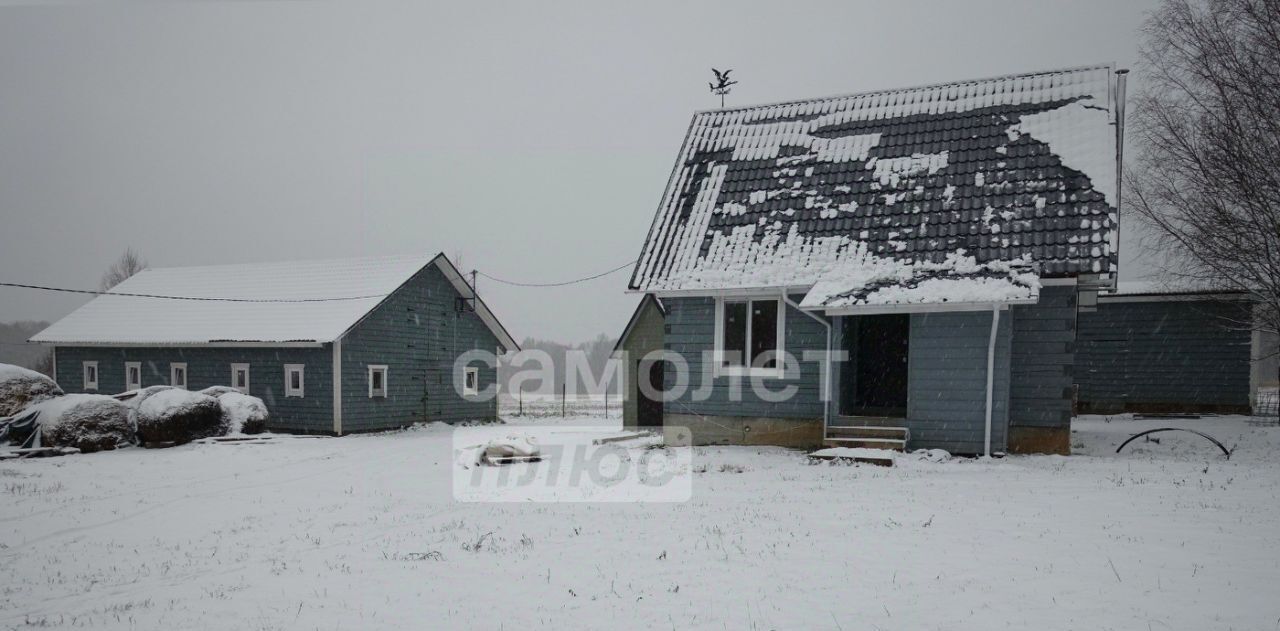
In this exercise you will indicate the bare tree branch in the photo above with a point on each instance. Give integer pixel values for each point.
(1206, 180)
(127, 265)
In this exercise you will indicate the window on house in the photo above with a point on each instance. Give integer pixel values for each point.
(377, 381)
(240, 377)
(91, 375)
(294, 380)
(132, 375)
(178, 375)
(471, 381)
(750, 334)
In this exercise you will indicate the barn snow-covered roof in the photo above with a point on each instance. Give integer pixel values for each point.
(304, 302)
(1015, 168)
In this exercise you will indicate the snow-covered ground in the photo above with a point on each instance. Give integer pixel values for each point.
(362, 532)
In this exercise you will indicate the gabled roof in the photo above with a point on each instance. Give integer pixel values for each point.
(293, 302)
(1017, 167)
(635, 317)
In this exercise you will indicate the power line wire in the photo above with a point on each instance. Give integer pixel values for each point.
(197, 298)
(562, 283)
(299, 300)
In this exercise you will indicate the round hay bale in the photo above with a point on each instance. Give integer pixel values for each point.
(21, 388)
(243, 414)
(178, 416)
(88, 422)
(217, 391)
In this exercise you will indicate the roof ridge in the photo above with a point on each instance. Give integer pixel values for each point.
(913, 88)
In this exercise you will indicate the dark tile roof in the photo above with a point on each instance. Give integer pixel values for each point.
(1006, 168)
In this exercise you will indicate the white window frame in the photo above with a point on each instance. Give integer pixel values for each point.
(474, 388)
(247, 377)
(132, 385)
(85, 367)
(778, 371)
(174, 367)
(289, 390)
(378, 368)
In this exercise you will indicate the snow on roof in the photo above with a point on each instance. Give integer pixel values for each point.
(361, 284)
(872, 283)
(1169, 288)
(1007, 168)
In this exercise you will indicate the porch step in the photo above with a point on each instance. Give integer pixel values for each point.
(867, 431)
(868, 421)
(892, 444)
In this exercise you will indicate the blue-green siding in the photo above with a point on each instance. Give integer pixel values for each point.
(417, 333)
(690, 332)
(207, 366)
(947, 365)
(1190, 355)
(1044, 356)
(947, 381)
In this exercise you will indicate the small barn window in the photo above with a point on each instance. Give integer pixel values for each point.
(377, 381)
(91, 375)
(132, 375)
(471, 381)
(178, 375)
(294, 380)
(749, 336)
(240, 377)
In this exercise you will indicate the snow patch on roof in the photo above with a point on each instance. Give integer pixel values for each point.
(877, 281)
(1082, 136)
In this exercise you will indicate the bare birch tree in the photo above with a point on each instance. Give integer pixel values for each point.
(127, 265)
(1207, 176)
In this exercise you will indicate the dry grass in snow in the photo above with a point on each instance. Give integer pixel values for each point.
(362, 532)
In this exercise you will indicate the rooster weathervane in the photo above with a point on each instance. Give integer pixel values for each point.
(721, 84)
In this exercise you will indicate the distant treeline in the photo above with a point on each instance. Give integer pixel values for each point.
(595, 351)
(15, 350)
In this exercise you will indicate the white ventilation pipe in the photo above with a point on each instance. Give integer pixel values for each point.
(991, 372)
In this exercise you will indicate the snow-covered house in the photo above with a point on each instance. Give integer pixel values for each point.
(942, 236)
(331, 346)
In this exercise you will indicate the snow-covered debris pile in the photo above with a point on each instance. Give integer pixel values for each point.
(509, 449)
(243, 414)
(178, 416)
(872, 280)
(20, 388)
(88, 422)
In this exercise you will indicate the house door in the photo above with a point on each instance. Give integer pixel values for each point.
(649, 410)
(880, 348)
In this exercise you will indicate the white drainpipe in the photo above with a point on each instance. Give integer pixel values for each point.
(826, 377)
(991, 371)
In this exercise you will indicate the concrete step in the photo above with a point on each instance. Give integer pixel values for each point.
(867, 431)
(879, 461)
(891, 444)
(868, 421)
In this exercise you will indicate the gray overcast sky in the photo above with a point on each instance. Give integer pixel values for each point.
(535, 138)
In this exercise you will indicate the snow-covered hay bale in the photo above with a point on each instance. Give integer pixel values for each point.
(243, 414)
(178, 416)
(20, 388)
(88, 422)
(217, 391)
(134, 398)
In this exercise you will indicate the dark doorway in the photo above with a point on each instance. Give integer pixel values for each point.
(877, 383)
(648, 409)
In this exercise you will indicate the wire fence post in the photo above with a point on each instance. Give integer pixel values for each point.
(562, 403)
(520, 393)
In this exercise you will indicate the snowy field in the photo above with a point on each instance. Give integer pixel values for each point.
(362, 532)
